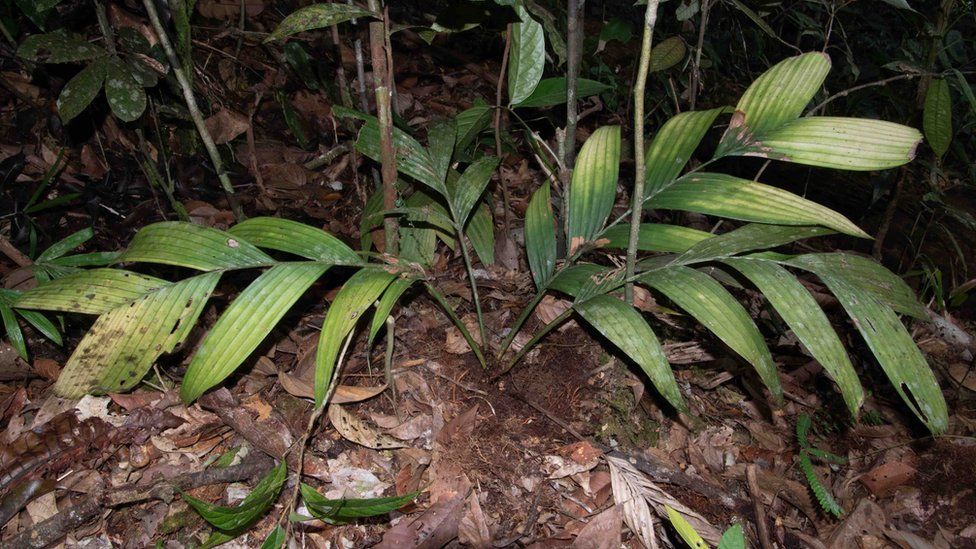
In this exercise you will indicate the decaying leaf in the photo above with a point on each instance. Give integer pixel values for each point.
(356, 430)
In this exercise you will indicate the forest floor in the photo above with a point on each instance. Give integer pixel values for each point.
(520, 458)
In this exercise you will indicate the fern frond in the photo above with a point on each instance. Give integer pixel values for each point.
(826, 501)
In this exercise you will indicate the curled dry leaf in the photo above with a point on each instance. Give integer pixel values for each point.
(356, 430)
(301, 387)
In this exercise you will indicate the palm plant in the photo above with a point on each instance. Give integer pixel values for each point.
(766, 123)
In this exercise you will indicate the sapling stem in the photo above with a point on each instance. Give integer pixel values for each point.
(574, 42)
(650, 18)
(191, 105)
(382, 80)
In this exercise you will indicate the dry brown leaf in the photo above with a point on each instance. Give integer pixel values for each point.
(867, 519)
(963, 374)
(301, 387)
(455, 343)
(473, 527)
(413, 427)
(226, 125)
(356, 430)
(886, 477)
(433, 529)
(284, 177)
(602, 532)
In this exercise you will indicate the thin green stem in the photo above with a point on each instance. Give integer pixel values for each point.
(474, 285)
(650, 18)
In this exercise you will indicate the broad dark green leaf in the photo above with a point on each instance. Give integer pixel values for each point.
(594, 186)
(192, 246)
(125, 95)
(656, 237)
(571, 280)
(866, 275)
(540, 236)
(624, 327)
(667, 53)
(526, 58)
(95, 291)
(711, 304)
(386, 303)
(728, 196)
(123, 343)
(799, 309)
(895, 350)
(232, 520)
(346, 510)
(81, 90)
(673, 146)
(775, 98)
(746, 238)
(58, 47)
(471, 185)
(14, 334)
(317, 16)
(552, 91)
(65, 245)
(296, 238)
(411, 157)
(470, 123)
(441, 137)
(356, 295)
(276, 539)
(856, 144)
(245, 324)
(481, 233)
(937, 116)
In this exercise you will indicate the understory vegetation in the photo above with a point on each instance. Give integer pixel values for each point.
(720, 249)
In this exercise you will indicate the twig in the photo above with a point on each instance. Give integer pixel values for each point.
(327, 157)
(13, 253)
(848, 91)
(761, 525)
(650, 18)
(191, 105)
(696, 64)
(303, 442)
(498, 127)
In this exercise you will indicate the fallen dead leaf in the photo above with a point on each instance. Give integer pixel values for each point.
(433, 529)
(226, 125)
(883, 479)
(602, 532)
(356, 430)
(473, 527)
